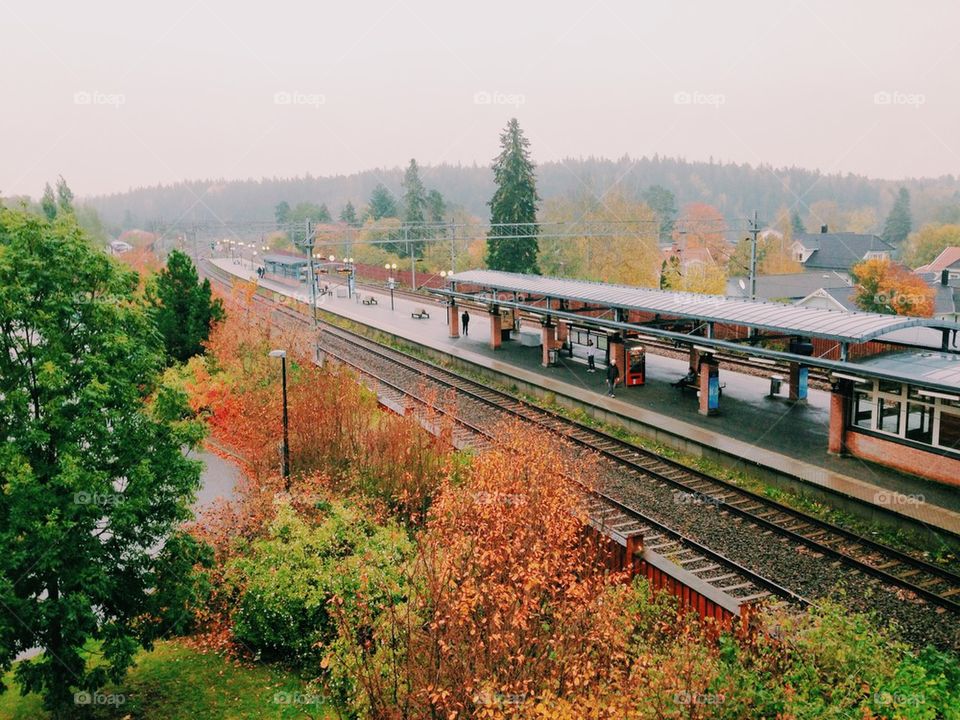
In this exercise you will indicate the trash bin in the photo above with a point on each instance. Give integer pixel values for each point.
(553, 356)
(775, 381)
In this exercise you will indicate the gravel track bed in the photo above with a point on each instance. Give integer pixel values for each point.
(790, 564)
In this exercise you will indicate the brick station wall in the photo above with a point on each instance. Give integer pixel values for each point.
(903, 457)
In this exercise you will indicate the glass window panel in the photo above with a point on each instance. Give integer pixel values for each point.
(888, 416)
(949, 431)
(863, 410)
(920, 422)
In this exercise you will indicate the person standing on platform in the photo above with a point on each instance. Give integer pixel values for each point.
(465, 321)
(613, 376)
(591, 356)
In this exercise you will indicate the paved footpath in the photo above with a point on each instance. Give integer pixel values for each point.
(786, 437)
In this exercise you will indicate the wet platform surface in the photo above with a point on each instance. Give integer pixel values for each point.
(769, 431)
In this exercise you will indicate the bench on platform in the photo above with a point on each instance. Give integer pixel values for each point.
(370, 300)
(695, 385)
(420, 314)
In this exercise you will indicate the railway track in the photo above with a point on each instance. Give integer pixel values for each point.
(935, 585)
(930, 582)
(606, 513)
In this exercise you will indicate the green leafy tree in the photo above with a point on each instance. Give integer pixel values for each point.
(93, 473)
(512, 242)
(664, 204)
(183, 307)
(929, 241)
(282, 212)
(899, 222)
(349, 215)
(382, 203)
(64, 196)
(48, 203)
(309, 211)
(286, 582)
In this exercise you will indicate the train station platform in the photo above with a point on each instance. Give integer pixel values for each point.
(765, 432)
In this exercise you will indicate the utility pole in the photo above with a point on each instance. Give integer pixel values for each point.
(285, 471)
(755, 230)
(308, 243)
(453, 247)
(413, 258)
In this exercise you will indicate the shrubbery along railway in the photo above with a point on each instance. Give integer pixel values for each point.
(732, 546)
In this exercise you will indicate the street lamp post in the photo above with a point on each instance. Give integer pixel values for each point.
(348, 262)
(392, 267)
(282, 354)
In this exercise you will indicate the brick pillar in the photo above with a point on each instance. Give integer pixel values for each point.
(838, 420)
(619, 351)
(707, 365)
(562, 329)
(796, 395)
(495, 327)
(454, 320)
(548, 341)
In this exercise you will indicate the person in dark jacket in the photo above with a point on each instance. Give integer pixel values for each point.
(613, 376)
(465, 321)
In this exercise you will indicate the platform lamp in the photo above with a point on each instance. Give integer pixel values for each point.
(352, 277)
(282, 354)
(391, 283)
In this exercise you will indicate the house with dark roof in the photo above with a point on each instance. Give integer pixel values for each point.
(831, 299)
(788, 287)
(837, 251)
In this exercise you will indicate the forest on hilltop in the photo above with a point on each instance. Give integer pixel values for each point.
(845, 202)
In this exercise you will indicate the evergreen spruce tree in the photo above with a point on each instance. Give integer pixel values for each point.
(349, 215)
(512, 243)
(899, 223)
(796, 223)
(436, 206)
(183, 307)
(664, 204)
(382, 203)
(414, 207)
(282, 212)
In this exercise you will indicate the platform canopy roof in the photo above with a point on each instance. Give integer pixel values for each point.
(837, 325)
(284, 260)
(927, 367)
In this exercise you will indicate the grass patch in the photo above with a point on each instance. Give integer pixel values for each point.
(177, 682)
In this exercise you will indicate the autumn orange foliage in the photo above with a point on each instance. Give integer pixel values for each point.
(888, 287)
(508, 599)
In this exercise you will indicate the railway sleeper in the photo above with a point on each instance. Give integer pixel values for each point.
(728, 588)
(718, 578)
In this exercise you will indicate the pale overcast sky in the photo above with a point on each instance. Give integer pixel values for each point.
(121, 94)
